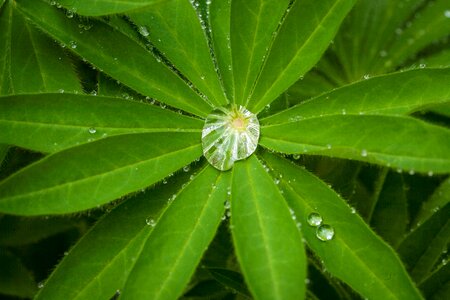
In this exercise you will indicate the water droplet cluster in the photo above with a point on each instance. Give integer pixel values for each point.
(324, 232)
(230, 134)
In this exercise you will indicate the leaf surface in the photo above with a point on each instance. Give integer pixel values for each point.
(109, 50)
(52, 122)
(175, 28)
(29, 60)
(83, 177)
(180, 237)
(304, 35)
(253, 26)
(439, 199)
(15, 279)
(355, 248)
(100, 263)
(267, 242)
(106, 7)
(398, 142)
(392, 94)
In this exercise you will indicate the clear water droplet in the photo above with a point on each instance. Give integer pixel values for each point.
(186, 168)
(314, 219)
(92, 130)
(143, 31)
(363, 152)
(40, 285)
(447, 13)
(227, 205)
(150, 222)
(367, 76)
(325, 232)
(73, 44)
(230, 133)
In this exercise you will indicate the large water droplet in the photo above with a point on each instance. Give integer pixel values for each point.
(230, 133)
(325, 232)
(314, 219)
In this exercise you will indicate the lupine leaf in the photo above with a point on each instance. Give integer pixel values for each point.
(399, 142)
(297, 47)
(392, 94)
(109, 50)
(439, 199)
(52, 122)
(267, 243)
(355, 248)
(106, 7)
(89, 175)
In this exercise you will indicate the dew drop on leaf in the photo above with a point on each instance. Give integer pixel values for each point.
(314, 219)
(92, 130)
(150, 222)
(325, 232)
(230, 133)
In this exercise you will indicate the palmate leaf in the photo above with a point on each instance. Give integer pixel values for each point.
(298, 45)
(109, 50)
(106, 7)
(29, 60)
(100, 263)
(393, 94)
(355, 248)
(89, 175)
(180, 237)
(398, 142)
(267, 243)
(174, 27)
(52, 122)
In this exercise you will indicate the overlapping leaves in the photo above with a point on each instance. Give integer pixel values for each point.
(193, 57)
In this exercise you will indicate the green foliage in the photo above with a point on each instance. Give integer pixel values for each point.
(102, 105)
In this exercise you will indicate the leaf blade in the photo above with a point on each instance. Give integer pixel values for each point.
(358, 137)
(353, 240)
(53, 122)
(179, 238)
(121, 168)
(288, 61)
(273, 264)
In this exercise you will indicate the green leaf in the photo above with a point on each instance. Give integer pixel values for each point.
(19, 231)
(392, 94)
(109, 50)
(180, 237)
(30, 61)
(267, 242)
(53, 122)
(355, 248)
(106, 7)
(15, 279)
(298, 46)
(174, 28)
(439, 199)
(102, 260)
(398, 142)
(219, 20)
(253, 26)
(93, 174)
(421, 249)
(430, 25)
(390, 216)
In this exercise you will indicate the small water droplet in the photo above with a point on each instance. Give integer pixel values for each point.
(353, 210)
(314, 219)
(296, 156)
(363, 152)
(366, 76)
(227, 204)
(186, 168)
(430, 173)
(150, 222)
(73, 44)
(61, 91)
(92, 130)
(69, 14)
(422, 66)
(447, 13)
(325, 232)
(143, 31)
(40, 285)
(328, 146)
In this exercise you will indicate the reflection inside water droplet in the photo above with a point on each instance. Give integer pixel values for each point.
(230, 133)
(325, 232)
(314, 219)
